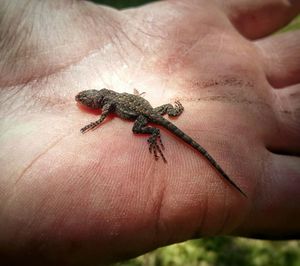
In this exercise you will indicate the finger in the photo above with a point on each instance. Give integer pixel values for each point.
(256, 18)
(285, 187)
(276, 208)
(281, 58)
(287, 108)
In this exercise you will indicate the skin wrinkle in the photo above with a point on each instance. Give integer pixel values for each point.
(162, 35)
(160, 225)
(115, 39)
(198, 41)
(18, 44)
(31, 80)
(7, 36)
(26, 32)
(291, 108)
(47, 74)
(39, 156)
(183, 51)
(12, 96)
(284, 114)
(17, 107)
(278, 64)
(126, 36)
(114, 26)
(281, 106)
(51, 99)
(58, 69)
(22, 32)
(51, 146)
(24, 106)
(204, 215)
(226, 215)
(221, 43)
(294, 107)
(148, 34)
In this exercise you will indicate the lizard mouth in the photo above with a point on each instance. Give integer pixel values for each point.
(78, 98)
(82, 99)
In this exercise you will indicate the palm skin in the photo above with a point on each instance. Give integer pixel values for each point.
(101, 196)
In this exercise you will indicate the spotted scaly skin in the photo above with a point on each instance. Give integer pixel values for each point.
(136, 108)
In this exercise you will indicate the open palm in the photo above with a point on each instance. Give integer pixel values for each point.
(101, 196)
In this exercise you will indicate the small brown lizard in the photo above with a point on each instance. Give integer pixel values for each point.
(134, 107)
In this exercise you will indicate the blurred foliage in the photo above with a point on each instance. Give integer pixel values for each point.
(218, 251)
(294, 25)
(222, 251)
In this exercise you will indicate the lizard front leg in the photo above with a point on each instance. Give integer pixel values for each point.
(169, 109)
(140, 127)
(105, 111)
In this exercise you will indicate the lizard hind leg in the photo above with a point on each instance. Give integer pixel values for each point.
(154, 141)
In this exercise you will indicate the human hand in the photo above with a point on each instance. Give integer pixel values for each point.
(101, 196)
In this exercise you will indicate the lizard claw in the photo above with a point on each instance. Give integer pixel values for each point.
(160, 142)
(154, 146)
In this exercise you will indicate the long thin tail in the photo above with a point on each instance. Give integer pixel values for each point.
(173, 129)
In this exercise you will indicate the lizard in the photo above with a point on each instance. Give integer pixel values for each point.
(134, 107)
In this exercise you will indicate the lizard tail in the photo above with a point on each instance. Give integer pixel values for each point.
(179, 133)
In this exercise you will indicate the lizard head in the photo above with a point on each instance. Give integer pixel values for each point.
(91, 98)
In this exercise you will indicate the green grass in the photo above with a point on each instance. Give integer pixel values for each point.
(218, 251)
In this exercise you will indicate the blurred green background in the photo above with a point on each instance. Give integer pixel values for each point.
(218, 251)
